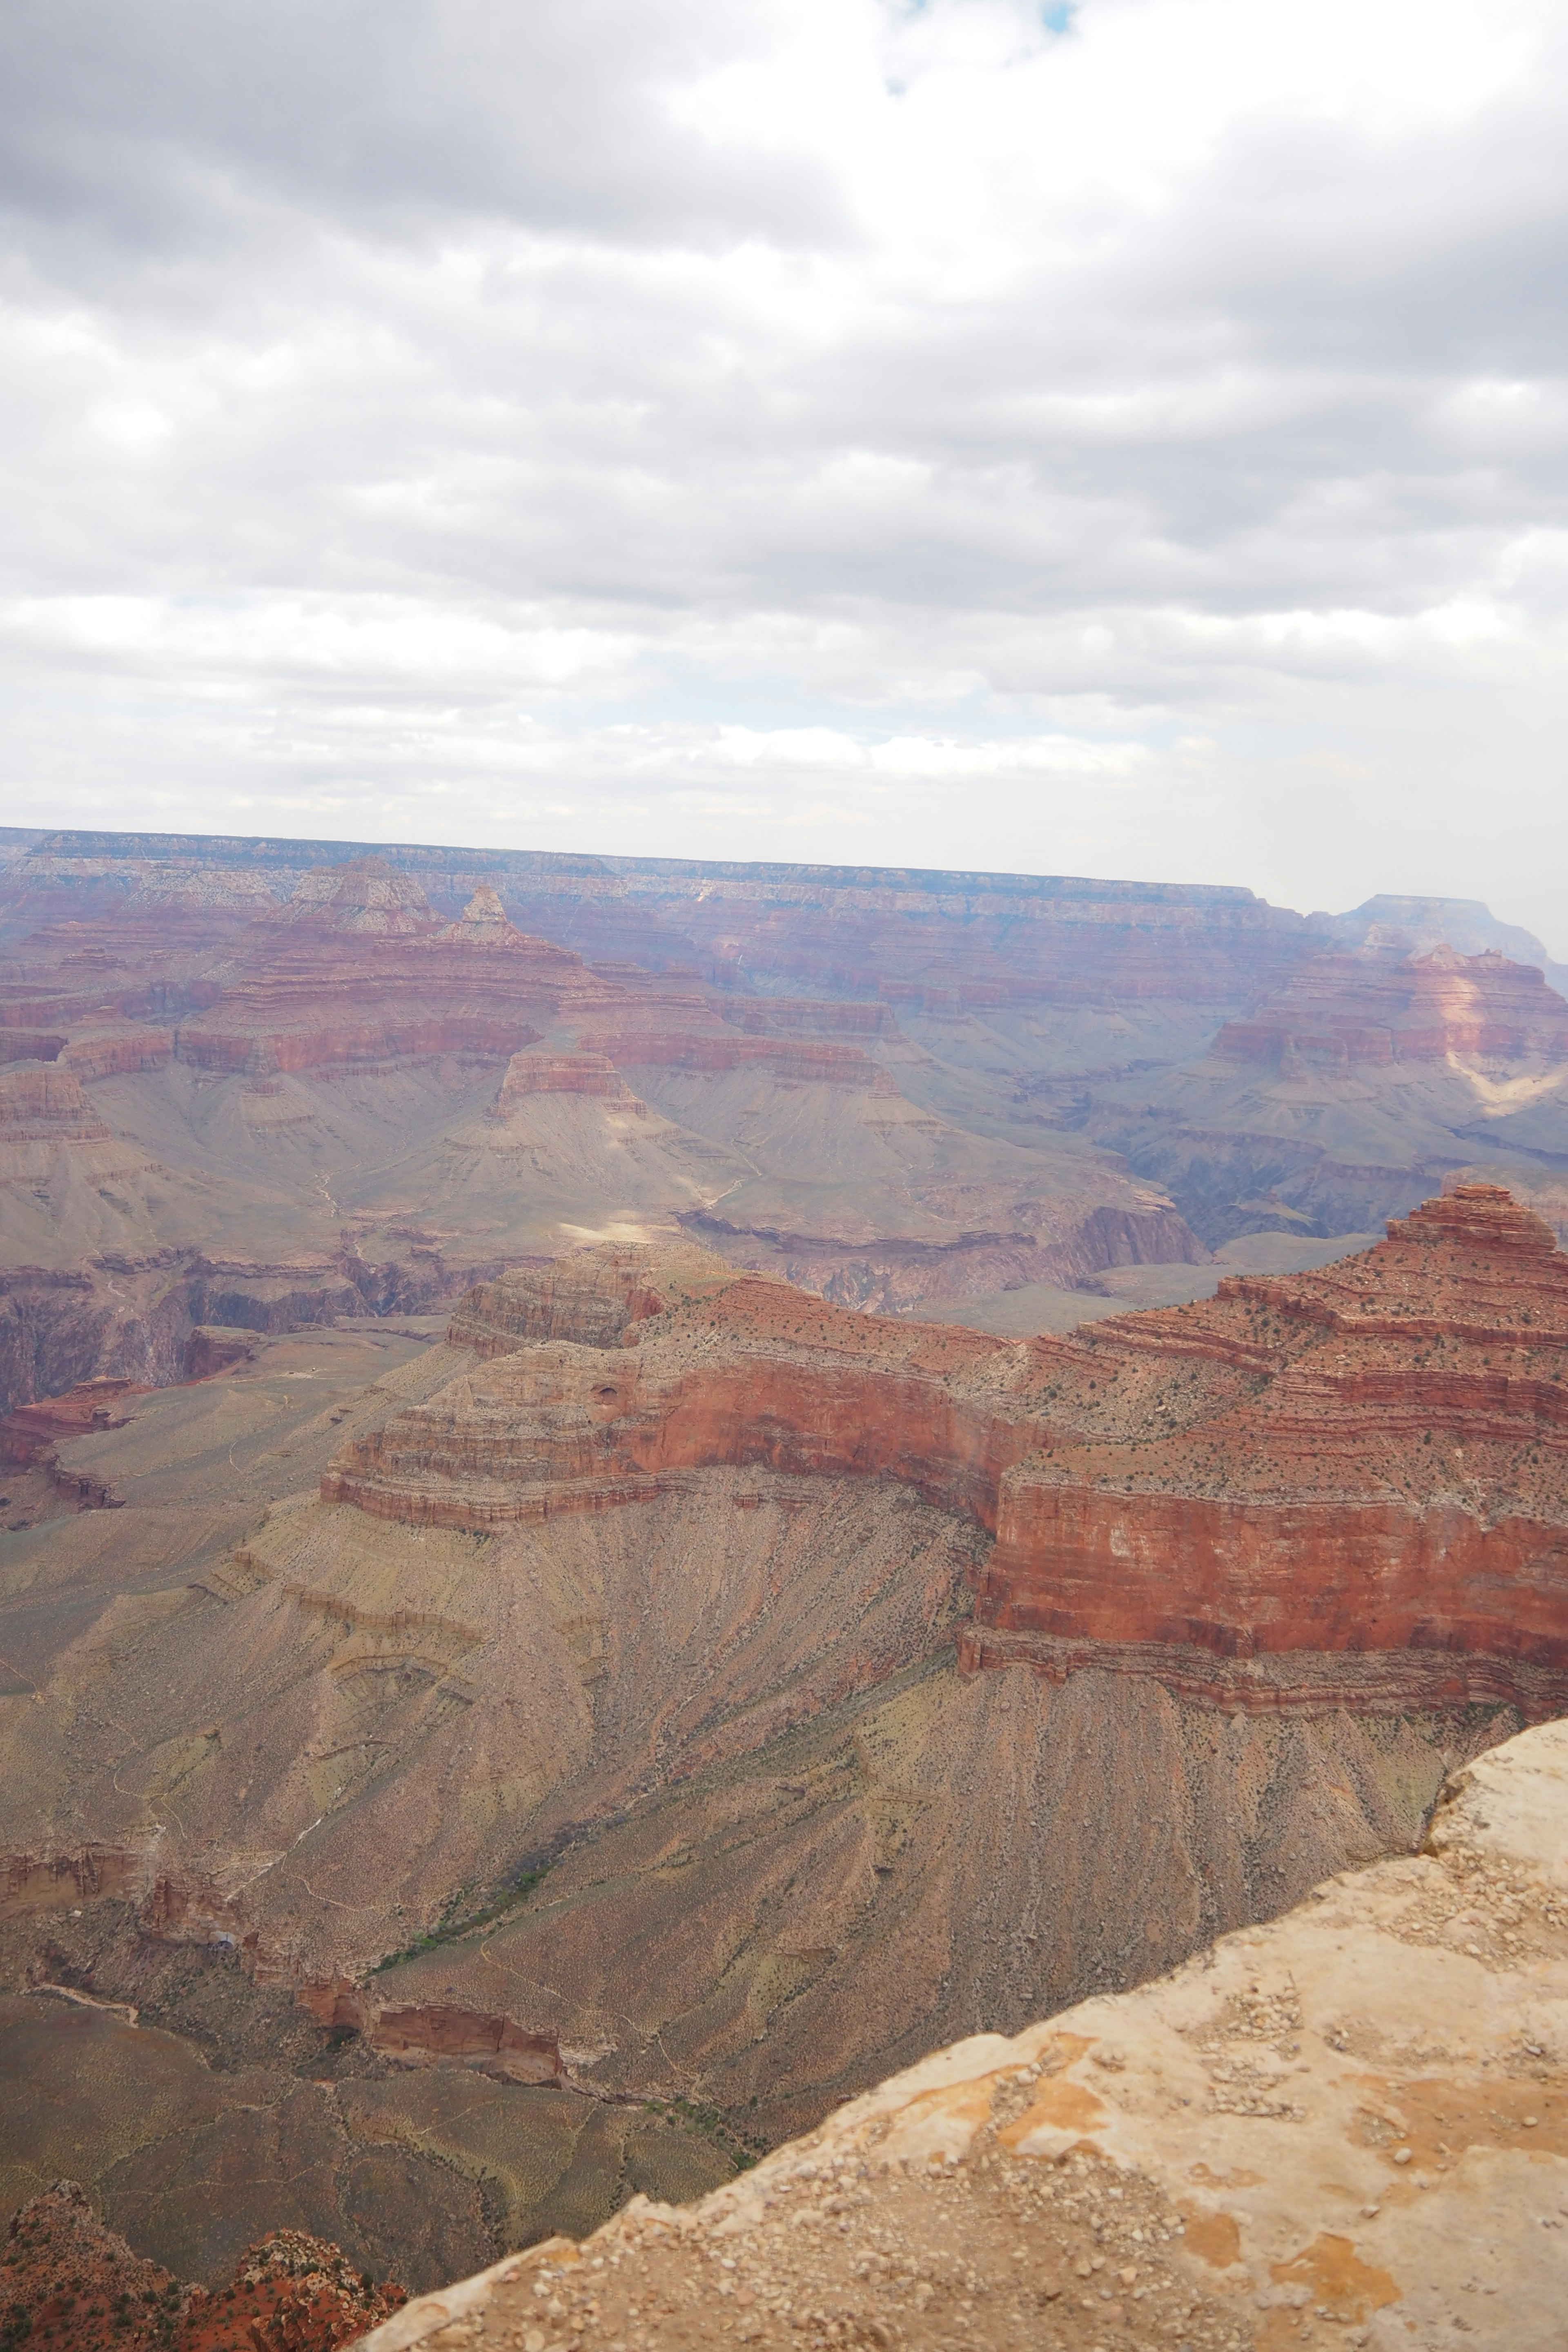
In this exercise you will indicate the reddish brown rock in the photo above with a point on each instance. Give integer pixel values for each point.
(563, 1074)
(41, 1103)
(1367, 1465)
(28, 1433)
(69, 2279)
(1377, 1009)
(484, 2042)
(1365, 1461)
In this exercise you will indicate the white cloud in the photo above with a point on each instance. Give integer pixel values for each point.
(1133, 437)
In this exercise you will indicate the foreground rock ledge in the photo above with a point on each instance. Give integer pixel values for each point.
(1350, 2126)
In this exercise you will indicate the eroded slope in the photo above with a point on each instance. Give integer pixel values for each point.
(1349, 2127)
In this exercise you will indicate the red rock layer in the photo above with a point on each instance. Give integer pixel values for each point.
(119, 1053)
(488, 2043)
(41, 1103)
(753, 1372)
(807, 1061)
(31, 1430)
(593, 1298)
(1375, 1009)
(69, 2281)
(563, 1074)
(1371, 1461)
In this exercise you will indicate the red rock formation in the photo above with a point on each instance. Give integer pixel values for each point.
(29, 1046)
(593, 1298)
(119, 1053)
(1369, 1459)
(53, 1882)
(493, 2044)
(69, 2279)
(1360, 1466)
(41, 1103)
(343, 986)
(1375, 1009)
(563, 1074)
(30, 1432)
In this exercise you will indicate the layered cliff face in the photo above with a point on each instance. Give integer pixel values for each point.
(1347, 1092)
(268, 1757)
(312, 1077)
(869, 932)
(1346, 1012)
(1305, 1492)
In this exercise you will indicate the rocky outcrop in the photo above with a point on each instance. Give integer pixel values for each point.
(42, 1103)
(1373, 1010)
(1350, 1091)
(592, 1298)
(32, 1431)
(68, 2279)
(119, 1053)
(361, 895)
(430, 2034)
(1368, 1460)
(1346, 1469)
(1355, 2118)
(563, 1074)
(359, 975)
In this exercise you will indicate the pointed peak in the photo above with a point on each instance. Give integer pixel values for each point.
(485, 923)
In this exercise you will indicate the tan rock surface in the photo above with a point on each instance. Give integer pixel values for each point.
(1350, 2126)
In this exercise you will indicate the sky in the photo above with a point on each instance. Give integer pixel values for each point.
(1123, 439)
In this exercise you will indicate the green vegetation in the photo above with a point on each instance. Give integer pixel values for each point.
(453, 1923)
(710, 2124)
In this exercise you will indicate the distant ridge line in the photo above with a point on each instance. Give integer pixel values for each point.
(265, 849)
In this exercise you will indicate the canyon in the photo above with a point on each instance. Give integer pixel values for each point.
(668, 1700)
(248, 1083)
(1346, 2128)
(637, 1494)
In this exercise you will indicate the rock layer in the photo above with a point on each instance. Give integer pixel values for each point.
(1350, 1088)
(1365, 1467)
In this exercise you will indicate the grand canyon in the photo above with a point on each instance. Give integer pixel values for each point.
(640, 1495)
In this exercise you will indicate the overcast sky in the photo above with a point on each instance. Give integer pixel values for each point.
(1123, 439)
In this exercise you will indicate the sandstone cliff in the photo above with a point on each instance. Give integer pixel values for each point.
(1344, 1487)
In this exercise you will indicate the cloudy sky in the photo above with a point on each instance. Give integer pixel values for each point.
(1124, 437)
